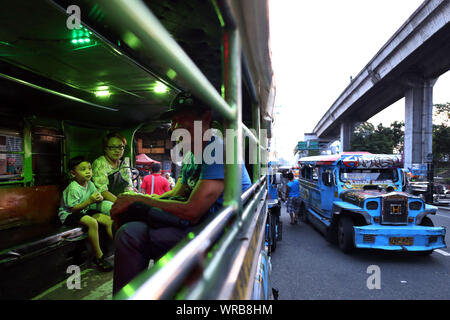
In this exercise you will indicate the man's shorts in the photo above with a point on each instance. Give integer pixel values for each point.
(293, 204)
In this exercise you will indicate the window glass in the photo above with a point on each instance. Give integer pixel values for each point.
(11, 156)
(315, 174)
(47, 155)
(369, 175)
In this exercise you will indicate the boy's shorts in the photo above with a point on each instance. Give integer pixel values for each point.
(73, 219)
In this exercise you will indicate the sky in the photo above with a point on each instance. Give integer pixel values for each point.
(317, 46)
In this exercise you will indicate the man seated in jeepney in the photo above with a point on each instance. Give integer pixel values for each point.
(197, 196)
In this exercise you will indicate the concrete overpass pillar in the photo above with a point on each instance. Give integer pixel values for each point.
(347, 129)
(418, 122)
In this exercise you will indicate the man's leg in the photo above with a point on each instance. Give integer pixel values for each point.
(136, 244)
(132, 253)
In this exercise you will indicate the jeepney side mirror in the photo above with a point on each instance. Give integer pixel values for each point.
(404, 180)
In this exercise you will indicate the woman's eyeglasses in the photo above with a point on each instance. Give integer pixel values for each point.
(116, 147)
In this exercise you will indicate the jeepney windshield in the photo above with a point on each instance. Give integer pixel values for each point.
(368, 175)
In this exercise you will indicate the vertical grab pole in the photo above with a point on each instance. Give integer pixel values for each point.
(264, 147)
(233, 134)
(256, 125)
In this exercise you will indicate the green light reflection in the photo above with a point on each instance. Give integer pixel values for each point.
(128, 290)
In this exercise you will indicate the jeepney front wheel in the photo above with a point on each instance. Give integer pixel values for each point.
(345, 234)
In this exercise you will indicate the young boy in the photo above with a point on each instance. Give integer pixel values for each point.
(81, 203)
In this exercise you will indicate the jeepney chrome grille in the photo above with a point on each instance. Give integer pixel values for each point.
(395, 211)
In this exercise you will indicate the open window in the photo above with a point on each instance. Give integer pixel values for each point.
(315, 174)
(327, 177)
(11, 156)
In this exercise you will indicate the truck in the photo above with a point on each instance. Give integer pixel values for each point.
(358, 200)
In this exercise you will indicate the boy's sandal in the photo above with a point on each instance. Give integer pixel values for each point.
(103, 264)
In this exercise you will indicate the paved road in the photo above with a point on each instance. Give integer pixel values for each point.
(306, 266)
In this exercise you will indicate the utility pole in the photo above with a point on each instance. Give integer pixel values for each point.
(430, 178)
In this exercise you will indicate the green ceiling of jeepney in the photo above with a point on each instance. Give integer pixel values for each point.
(36, 46)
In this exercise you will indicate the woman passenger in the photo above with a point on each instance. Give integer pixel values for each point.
(111, 175)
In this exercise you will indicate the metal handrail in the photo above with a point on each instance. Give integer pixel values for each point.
(164, 281)
(167, 279)
(156, 41)
(250, 134)
(217, 263)
(252, 189)
(59, 94)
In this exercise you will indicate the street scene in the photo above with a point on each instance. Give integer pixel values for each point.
(308, 267)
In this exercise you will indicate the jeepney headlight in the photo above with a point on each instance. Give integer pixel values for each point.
(415, 205)
(372, 205)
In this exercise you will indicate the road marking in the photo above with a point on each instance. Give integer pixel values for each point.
(444, 253)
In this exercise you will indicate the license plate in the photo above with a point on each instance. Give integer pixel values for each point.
(401, 241)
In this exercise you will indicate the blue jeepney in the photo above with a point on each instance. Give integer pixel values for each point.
(358, 200)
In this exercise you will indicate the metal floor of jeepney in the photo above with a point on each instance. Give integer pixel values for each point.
(94, 285)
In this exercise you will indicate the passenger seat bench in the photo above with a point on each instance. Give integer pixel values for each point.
(36, 257)
(20, 242)
(35, 253)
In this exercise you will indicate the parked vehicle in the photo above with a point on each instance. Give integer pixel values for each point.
(441, 193)
(283, 171)
(358, 201)
(274, 232)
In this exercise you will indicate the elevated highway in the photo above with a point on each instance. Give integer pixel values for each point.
(407, 66)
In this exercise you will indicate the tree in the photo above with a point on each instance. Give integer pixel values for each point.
(397, 135)
(441, 133)
(377, 140)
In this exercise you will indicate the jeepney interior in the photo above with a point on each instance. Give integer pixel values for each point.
(60, 95)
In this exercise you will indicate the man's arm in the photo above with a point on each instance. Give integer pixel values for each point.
(205, 193)
(178, 190)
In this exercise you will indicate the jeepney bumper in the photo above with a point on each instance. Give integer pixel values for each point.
(409, 238)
